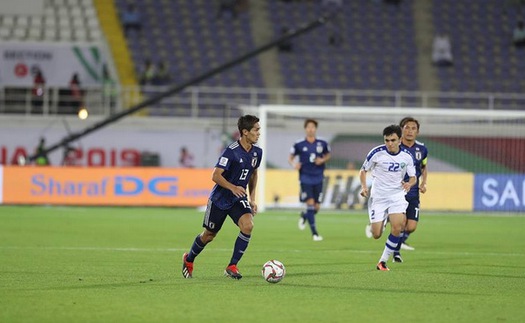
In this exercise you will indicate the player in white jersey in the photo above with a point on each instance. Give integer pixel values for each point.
(388, 164)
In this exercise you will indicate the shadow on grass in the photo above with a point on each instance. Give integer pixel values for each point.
(478, 274)
(395, 290)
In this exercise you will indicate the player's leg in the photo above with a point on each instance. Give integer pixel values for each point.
(310, 218)
(412, 221)
(397, 220)
(241, 214)
(377, 216)
(318, 197)
(410, 228)
(212, 223)
(309, 197)
(302, 216)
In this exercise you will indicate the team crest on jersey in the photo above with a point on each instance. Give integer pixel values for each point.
(254, 161)
(418, 155)
(305, 149)
(319, 148)
(403, 165)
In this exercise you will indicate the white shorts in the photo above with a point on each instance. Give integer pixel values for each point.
(380, 208)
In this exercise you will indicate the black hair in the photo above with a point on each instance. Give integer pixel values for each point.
(406, 120)
(307, 121)
(246, 122)
(392, 129)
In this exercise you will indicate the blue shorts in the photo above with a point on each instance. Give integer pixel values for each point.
(309, 191)
(215, 217)
(413, 209)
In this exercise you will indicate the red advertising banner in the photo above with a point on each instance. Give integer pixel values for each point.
(147, 186)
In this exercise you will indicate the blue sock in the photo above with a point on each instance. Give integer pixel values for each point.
(390, 247)
(401, 240)
(240, 246)
(405, 236)
(310, 216)
(196, 249)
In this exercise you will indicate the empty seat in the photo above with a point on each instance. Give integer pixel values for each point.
(37, 21)
(49, 34)
(5, 32)
(95, 35)
(92, 23)
(19, 33)
(78, 23)
(76, 12)
(64, 23)
(22, 21)
(8, 21)
(80, 35)
(50, 22)
(65, 34)
(35, 33)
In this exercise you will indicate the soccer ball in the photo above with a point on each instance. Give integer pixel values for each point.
(273, 271)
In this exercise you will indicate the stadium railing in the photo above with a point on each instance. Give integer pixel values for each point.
(198, 101)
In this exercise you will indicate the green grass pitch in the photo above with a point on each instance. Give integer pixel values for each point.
(97, 264)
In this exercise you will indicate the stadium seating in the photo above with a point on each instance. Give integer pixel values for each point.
(376, 52)
(190, 39)
(378, 49)
(62, 20)
(481, 36)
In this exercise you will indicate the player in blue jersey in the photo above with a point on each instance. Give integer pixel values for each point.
(309, 156)
(388, 164)
(235, 171)
(410, 131)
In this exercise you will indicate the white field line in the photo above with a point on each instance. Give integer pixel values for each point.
(467, 253)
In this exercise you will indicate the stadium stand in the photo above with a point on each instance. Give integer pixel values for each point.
(376, 57)
(376, 51)
(63, 20)
(189, 37)
(481, 36)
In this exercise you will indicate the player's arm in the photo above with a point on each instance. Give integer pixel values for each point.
(321, 160)
(411, 172)
(423, 178)
(217, 177)
(411, 182)
(252, 187)
(293, 163)
(362, 179)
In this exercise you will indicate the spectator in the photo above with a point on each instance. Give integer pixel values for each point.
(76, 99)
(442, 51)
(148, 73)
(285, 46)
(334, 25)
(186, 158)
(109, 89)
(41, 158)
(518, 36)
(131, 20)
(229, 6)
(162, 76)
(38, 91)
(393, 2)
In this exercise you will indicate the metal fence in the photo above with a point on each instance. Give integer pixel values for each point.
(214, 101)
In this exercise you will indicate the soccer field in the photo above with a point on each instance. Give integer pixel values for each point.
(95, 264)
